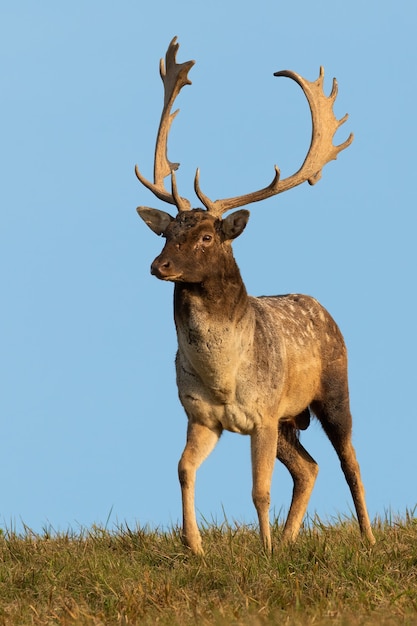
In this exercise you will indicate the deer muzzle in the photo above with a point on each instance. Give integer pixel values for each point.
(162, 268)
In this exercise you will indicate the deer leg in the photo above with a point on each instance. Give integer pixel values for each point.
(351, 470)
(263, 451)
(303, 470)
(336, 419)
(200, 442)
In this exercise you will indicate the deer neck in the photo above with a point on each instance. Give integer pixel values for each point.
(220, 300)
(214, 321)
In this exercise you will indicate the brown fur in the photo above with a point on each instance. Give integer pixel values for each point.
(254, 366)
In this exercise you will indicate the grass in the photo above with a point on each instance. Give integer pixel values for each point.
(142, 577)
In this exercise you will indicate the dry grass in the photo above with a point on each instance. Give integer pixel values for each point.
(144, 577)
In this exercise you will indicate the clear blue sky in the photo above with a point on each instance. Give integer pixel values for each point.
(90, 421)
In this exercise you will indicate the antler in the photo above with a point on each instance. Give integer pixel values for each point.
(174, 76)
(321, 149)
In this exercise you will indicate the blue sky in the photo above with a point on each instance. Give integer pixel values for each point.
(91, 427)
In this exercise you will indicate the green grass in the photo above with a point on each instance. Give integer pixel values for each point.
(131, 577)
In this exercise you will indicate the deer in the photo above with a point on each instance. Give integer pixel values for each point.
(257, 366)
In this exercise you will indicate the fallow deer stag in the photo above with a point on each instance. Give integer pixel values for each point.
(254, 366)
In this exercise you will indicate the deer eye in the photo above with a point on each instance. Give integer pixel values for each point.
(206, 238)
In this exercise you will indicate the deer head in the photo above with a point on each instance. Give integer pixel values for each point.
(207, 225)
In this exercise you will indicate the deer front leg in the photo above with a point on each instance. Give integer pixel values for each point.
(200, 442)
(263, 451)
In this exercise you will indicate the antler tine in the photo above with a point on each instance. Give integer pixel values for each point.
(218, 207)
(174, 76)
(321, 151)
(181, 203)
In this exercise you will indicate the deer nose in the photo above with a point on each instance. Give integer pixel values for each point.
(160, 268)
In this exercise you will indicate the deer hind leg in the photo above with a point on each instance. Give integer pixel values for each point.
(200, 442)
(335, 417)
(303, 470)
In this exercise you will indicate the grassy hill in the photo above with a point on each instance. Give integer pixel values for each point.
(144, 577)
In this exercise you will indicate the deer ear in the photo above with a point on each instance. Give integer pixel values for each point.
(234, 224)
(157, 220)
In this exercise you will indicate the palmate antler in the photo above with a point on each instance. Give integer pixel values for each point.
(321, 151)
(174, 76)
